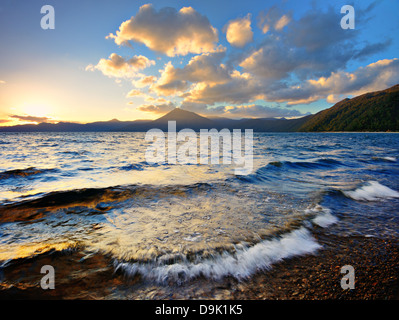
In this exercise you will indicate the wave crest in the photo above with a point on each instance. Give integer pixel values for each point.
(240, 265)
(372, 191)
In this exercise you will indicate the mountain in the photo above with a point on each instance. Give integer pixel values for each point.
(187, 119)
(374, 111)
(184, 119)
(112, 125)
(274, 125)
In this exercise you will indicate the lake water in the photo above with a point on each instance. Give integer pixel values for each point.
(94, 194)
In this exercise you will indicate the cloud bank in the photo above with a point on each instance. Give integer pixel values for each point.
(295, 61)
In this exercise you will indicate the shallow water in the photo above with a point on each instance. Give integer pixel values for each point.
(95, 195)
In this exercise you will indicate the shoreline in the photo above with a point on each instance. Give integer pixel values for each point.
(318, 277)
(309, 277)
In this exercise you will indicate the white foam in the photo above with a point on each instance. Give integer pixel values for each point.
(393, 159)
(324, 217)
(242, 264)
(373, 191)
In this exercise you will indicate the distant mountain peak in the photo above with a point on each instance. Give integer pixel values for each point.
(178, 114)
(114, 120)
(178, 111)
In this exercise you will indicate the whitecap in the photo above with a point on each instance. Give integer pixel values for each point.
(324, 217)
(373, 191)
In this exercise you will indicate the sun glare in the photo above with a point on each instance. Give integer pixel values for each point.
(36, 109)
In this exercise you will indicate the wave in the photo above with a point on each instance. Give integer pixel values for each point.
(324, 217)
(372, 191)
(95, 200)
(318, 164)
(131, 167)
(387, 159)
(23, 172)
(241, 265)
(262, 174)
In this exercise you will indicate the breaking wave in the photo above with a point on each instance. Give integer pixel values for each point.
(372, 191)
(241, 265)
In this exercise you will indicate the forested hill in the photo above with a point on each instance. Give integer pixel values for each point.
(373, 111)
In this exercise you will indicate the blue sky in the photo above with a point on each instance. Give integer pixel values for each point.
(138, 59)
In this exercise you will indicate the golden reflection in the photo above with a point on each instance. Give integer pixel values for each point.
(31, 249)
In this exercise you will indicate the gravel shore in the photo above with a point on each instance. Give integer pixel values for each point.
(375, 261)
(310, 277)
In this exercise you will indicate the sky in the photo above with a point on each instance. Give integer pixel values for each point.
(129, 60)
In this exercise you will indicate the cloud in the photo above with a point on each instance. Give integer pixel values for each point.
(239, 31)
(373, 48)
(118, 67)
(243, 88)
(272, 60)
(144, 81)
(202, 68)
(313, 46)
(4, 120)
(282, 22)
(169, 31)
(260, 111)
(242, 111)
(273, 19)
(300, 60)
(205, 79)
(33, 119)
(373, 77)
(202, 108)
(317, 30)
(2, 82)
(240, 88)
(160, 108)
(134, 93)
(168, 84)
(149, 98)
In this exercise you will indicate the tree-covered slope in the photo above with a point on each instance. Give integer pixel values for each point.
(374, 111)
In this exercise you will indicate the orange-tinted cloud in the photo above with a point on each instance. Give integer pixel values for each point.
(118, 67)
(28, 118)
(168, 31)
(202, 68)
(373, 77)
(239, 31)
(144, 81)
(160, 108)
